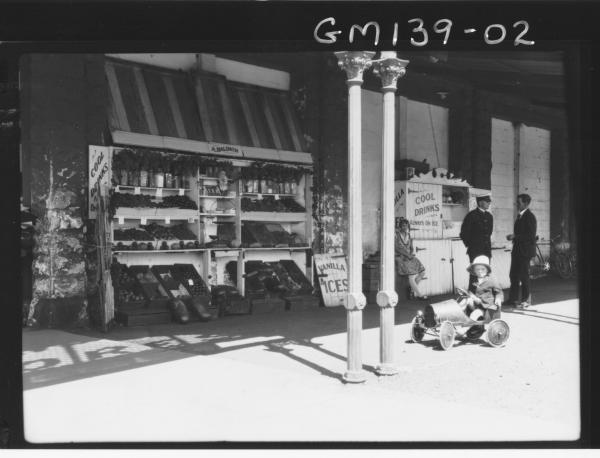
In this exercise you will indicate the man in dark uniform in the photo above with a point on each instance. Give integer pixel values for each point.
(476, 233)
(523, 238)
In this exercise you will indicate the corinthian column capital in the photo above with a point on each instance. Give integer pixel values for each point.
(354, 63)
(389, 69)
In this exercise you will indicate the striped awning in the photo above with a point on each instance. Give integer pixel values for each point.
(201, 107)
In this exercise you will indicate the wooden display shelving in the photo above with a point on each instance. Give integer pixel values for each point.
(276, 217)
(204, 225)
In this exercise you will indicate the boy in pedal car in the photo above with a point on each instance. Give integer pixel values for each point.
(487, 298)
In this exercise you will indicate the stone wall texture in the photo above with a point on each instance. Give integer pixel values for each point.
(65, 99)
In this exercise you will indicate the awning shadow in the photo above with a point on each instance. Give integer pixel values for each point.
(60, 356)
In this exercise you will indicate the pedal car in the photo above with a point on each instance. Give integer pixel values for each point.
(446, 320)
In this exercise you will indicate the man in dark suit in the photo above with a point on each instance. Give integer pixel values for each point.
(523, 238)
(476, 232)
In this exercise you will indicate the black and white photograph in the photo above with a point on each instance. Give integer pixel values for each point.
(300, 246)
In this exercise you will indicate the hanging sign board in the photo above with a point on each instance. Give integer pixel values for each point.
(224, 149)
(98, 167)
(421, 205)
(332, 272)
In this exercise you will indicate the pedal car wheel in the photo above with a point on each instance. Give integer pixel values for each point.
(498, 333)
(447, 335)
(417, 331)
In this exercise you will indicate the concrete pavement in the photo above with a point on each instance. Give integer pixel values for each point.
(278, 378)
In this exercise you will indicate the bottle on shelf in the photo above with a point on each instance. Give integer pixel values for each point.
(144, 174)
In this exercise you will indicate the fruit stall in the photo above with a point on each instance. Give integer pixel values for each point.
(196, 237)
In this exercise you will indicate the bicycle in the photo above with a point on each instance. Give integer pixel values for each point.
(560, 260)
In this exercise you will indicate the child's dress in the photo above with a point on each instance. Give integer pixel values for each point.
(405, 265)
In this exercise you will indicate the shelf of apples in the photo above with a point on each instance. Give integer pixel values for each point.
(156, 237)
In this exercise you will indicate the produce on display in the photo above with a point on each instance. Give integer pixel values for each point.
(270, 204)
(132, 234)
(127, 290)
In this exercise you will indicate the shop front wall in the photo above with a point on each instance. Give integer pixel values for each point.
(503, 180)
(534, 176)
(421, 129)
(423, 132)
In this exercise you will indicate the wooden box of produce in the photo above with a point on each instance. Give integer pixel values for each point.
(297, 275)
(201, 298)
(128, 292)
(267, 304)
(229, 301)
(142, 317)
(154, 292)
(301, 302)
(180, 296)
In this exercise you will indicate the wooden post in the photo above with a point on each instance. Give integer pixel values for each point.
(354, 64)
(389, 68)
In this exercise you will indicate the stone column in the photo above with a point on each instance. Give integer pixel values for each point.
(389, 68)
(354, 63)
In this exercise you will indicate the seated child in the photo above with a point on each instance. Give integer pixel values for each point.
(487, 298)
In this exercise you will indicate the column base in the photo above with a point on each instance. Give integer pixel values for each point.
(355, 376)
(387, 369)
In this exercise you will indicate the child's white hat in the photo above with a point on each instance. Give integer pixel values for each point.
(481, 260)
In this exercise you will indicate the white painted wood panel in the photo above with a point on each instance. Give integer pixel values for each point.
(459, 264)
(435, 256)
(501, 266)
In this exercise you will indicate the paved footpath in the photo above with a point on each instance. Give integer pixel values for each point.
(277, 378)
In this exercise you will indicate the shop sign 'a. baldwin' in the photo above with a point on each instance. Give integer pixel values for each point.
(332, 272)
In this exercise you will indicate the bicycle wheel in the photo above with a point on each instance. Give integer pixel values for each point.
(562, 265)
(573, 262)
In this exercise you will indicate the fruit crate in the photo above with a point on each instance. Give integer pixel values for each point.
(142, 317)
(229, 301)
(168, 279)
(155, 294)
(191, 279)
(128, 292)
(201, 298)
(301, 302)
(297, 275)
(267, 304)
